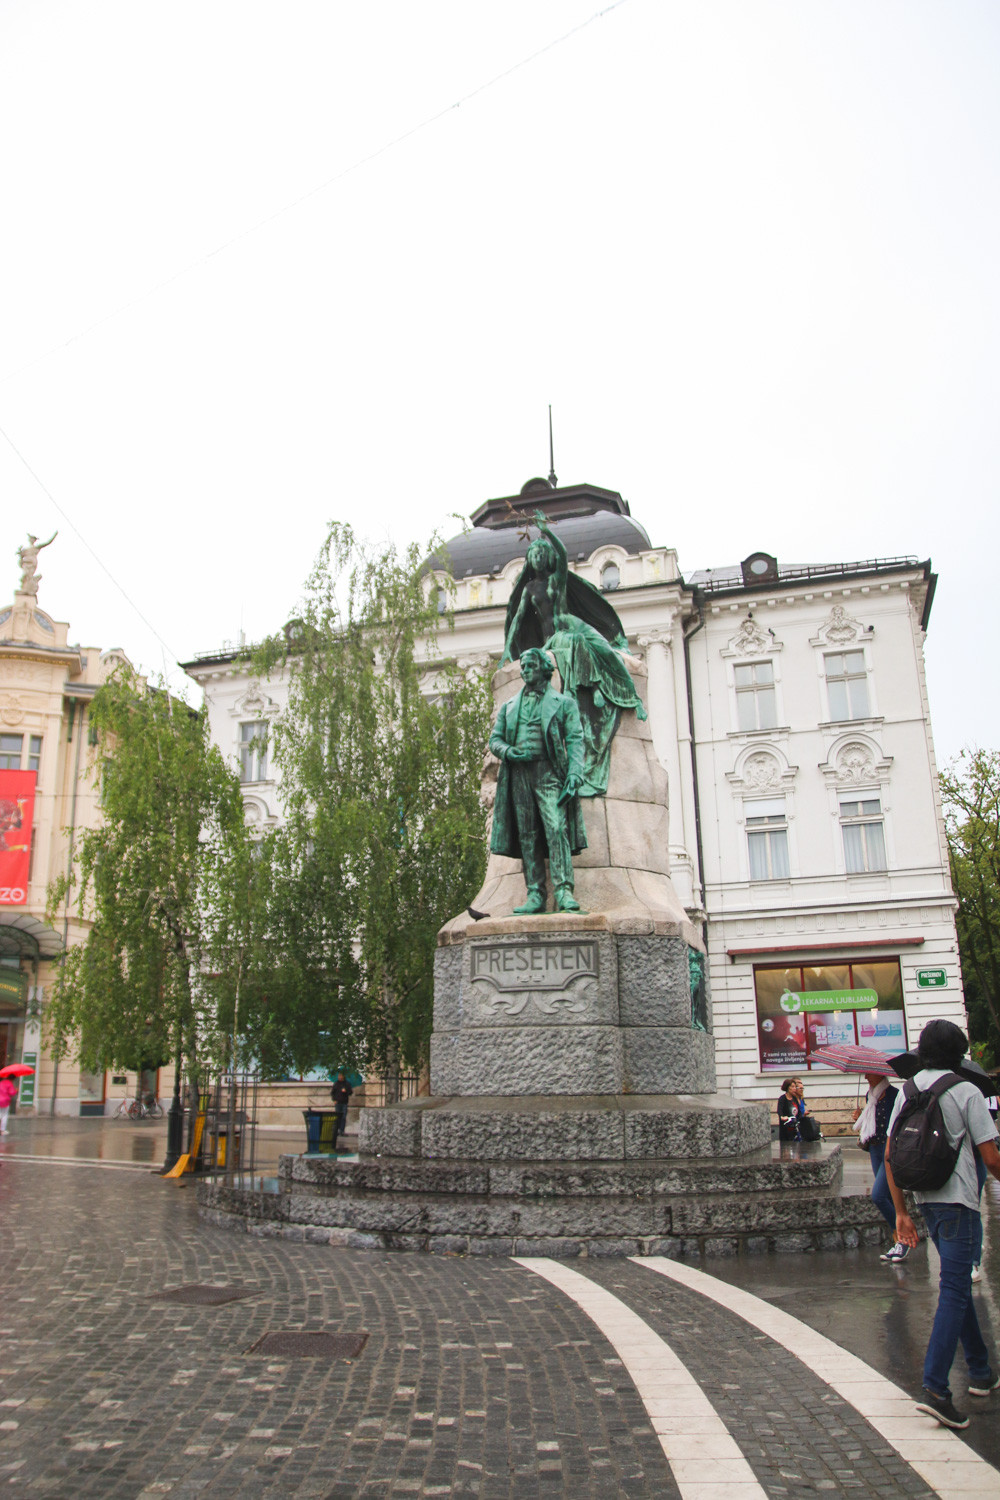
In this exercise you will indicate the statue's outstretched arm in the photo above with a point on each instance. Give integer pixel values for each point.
(562, 556)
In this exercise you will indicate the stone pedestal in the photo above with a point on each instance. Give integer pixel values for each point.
(573, 1106)
(567, 1005)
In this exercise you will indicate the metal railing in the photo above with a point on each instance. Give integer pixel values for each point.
(733, 578)
(376, 1092)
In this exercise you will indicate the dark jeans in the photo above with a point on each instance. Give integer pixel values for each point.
(881, 1196)
(954, 1230)
(341, 1125)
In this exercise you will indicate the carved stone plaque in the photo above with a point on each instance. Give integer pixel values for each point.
(534, 966)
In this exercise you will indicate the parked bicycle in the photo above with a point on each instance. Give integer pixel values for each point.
(146, 1107)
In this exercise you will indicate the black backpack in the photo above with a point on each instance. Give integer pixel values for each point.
(920, 1154)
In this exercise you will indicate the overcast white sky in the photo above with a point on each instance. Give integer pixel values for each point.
(748, 249)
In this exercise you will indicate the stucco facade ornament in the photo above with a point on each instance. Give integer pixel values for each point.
(761, 772)
(761, 769)
(856, 766)
(11, 709)
(254, 703)
(839, 629)
(856, 762)
(752, 639)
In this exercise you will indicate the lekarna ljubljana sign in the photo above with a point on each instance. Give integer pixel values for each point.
(794, 1003)
(17, 807)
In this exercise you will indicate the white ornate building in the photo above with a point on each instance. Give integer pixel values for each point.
(788, 706)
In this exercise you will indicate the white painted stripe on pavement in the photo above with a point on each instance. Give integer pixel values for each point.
(705, 1459)
(80, 1161)
(941, 1459)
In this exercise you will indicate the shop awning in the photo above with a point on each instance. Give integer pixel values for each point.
(24, 936)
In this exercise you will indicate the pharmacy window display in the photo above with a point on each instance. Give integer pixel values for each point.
(801, 1008)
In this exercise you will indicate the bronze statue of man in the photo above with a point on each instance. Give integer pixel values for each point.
(538, 740)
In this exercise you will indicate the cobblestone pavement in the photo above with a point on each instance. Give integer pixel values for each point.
(478, 1378)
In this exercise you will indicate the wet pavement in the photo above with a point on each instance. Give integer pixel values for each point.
(478, 1377)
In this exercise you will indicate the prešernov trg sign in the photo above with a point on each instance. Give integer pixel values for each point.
(820, 1000)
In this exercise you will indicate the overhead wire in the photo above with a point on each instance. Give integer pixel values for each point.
(252, 229)
(73, 527)
(355, 166)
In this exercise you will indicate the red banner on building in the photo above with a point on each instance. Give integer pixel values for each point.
(17, 807)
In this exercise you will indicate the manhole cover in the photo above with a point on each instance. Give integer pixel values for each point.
(204, 1296)
(315, 1345)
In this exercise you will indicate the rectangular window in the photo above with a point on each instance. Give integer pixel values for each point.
(756, 704)
(847, 684)
(864, 837)
(253, 752)
(767, 839)
(34, 752)
(10, 751)
(788, 1032)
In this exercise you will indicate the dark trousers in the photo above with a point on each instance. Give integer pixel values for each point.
(955, 1231)
(340, 1128)
(541, 823)
(881, 1196)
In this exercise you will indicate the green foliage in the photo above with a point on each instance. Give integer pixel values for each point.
(380, 752)
(154, 880)
(971, 791)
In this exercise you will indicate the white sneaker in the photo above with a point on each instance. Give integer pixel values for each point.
(977, 1274)
(896, 1253)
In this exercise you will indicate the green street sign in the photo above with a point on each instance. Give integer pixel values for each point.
(931, 979)
(820, 1000)
(27, 1094)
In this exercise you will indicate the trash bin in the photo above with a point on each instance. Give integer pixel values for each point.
(321, 1130)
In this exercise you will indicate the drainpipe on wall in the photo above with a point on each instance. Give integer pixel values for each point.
(69, 863)
(688, 636)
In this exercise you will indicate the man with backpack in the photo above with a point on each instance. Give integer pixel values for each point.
(937, 1120)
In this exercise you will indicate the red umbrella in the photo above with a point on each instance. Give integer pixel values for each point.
(851, 1059)
(16, 1070)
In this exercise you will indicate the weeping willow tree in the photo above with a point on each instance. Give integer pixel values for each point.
(380, 751)
(154, 881)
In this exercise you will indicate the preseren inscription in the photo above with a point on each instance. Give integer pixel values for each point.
(535, 966)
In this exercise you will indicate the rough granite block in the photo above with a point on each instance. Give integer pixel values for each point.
(596, 1248)
(447, 989)
(667, 1060)
(390, 1132)
(514, 1060)
(510, 1136)
(721, 1247)
(654, 987)
(554, 1249)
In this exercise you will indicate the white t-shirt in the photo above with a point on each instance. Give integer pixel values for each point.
(965, 1114)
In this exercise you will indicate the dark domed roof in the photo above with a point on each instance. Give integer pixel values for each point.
(582, 516)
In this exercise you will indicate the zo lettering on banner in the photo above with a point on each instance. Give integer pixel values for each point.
(17, 807)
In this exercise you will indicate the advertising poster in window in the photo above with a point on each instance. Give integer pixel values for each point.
(781, 1033)
(17, 807)
(802, 1009)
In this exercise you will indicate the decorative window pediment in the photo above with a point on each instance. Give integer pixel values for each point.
(839, 629)
(254, 704)
(760, 770)
(856, 761)
(752, 639)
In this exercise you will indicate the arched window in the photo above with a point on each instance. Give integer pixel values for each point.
(442, 601)
(610, 577)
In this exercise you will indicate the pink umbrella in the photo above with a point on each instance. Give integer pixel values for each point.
(852, 1059)
(16, 1070)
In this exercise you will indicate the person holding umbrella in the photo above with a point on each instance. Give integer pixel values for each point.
(8, 1089)
(871, 1121)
